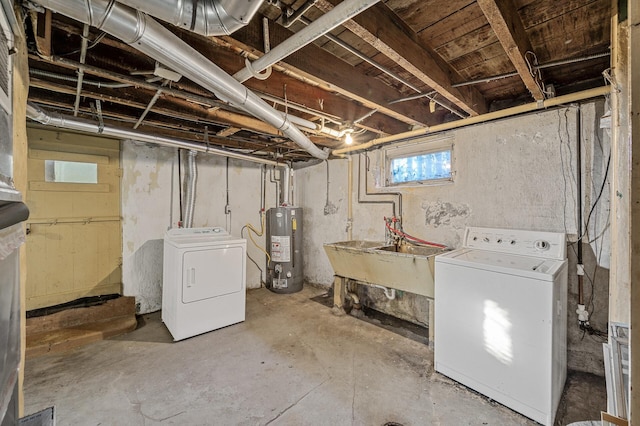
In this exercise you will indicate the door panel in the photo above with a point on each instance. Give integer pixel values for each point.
(211, 272)
(74, 245)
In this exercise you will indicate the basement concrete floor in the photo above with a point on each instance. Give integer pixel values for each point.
(292, 362)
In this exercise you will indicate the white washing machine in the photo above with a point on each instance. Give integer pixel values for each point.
(501, 320)
(203, 285)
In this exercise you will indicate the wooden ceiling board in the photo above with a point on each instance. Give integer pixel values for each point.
(470, 42)
(474, 67)
(567, 74)
(586, 20)
(420, 14)
(570, 35)
(541, 11)
(459, 24)
(352, 40)
(311, 60)
(425, 42)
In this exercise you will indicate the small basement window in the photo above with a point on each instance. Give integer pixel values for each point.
(70, 172)
(423, 163)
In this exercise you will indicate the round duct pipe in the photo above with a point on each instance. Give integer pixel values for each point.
(151, 38)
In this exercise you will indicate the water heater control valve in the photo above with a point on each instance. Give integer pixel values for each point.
(278, 268)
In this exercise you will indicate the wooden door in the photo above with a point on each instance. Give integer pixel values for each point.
(74, 243)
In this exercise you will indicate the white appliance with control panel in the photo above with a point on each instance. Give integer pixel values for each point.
(203, 286)
(501, 320)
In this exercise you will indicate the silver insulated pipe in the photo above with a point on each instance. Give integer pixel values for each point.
(205, 17)
(148, 36)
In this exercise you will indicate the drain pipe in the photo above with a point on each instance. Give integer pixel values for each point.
(190, 196)
(207, 18)
(151, 38)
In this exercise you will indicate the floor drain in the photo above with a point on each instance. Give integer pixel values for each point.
(392, 424)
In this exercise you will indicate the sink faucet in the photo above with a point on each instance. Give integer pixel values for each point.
(393, 231)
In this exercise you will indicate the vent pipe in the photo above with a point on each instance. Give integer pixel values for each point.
(149, 37)
(205, 17)
(190, 193)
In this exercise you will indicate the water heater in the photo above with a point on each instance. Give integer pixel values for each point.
(284, 242)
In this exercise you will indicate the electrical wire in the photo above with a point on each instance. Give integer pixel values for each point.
(250, 229)
(93, 44)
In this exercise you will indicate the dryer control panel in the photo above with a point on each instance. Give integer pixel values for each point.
(548, 245)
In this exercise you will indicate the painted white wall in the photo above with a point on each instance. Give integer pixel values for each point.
(148, 173)
(150, 206)
(512, 173)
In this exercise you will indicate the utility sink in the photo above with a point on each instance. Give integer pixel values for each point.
(405, 267)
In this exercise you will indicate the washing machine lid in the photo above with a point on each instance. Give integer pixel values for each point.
(524, 266)
(190, 237)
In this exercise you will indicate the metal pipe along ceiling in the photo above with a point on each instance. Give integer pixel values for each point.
(205, 17)
(321, 26)
(69, 122)
(151, 38)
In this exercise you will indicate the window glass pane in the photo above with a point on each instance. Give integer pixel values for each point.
(423, 167)
(70, 172)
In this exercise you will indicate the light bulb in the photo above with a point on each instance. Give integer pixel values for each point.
(348, 139)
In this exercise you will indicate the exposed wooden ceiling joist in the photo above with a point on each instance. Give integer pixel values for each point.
(507, 25)
(454, 48)
(333, 75)
(176, 108)
(377, 27)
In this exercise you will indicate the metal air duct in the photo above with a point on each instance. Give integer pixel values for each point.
(205, 17)
(148, 36)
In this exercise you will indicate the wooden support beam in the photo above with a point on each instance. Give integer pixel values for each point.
(41, 23)
(305, 89)
(172, 129)
(507, 25)
(178, 108)
(228, 131)
(377, 27)
(328, 72)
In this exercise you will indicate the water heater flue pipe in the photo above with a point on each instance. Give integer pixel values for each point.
(208, 18)
(190, 195)
(149, 37)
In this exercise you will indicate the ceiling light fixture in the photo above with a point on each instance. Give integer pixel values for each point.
(348, 139)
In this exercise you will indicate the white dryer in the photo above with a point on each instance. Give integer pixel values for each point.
(501, 319)
(203, 285)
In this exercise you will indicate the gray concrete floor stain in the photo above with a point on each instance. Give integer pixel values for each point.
(290, 363)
